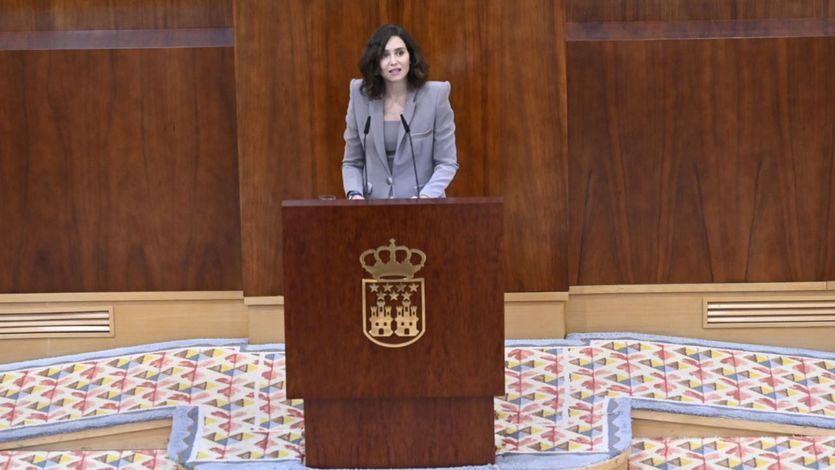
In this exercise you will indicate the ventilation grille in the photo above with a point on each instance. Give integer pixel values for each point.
(771, 313)
(57, 322)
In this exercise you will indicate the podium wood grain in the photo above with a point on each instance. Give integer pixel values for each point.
(426, 404)
(428, 432)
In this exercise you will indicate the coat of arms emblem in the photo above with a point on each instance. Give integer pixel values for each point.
(393, 312)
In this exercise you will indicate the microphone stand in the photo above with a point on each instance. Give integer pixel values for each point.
(412, 147)
(365, 191)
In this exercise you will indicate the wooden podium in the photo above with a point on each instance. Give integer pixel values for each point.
(397, 360)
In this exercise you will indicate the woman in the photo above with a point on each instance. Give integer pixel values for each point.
(378, 161)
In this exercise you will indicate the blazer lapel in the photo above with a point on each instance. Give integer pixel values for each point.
(408, 113)
(376, 110)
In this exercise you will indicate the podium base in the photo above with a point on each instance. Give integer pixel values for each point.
(399, 433)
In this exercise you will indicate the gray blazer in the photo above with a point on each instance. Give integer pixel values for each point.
(432, 125)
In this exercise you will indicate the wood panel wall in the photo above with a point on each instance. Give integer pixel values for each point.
(118, 168)
(118, 172)
(695, 10)
(701, 160)
(623, 155)
(50, 15)
(294, 60)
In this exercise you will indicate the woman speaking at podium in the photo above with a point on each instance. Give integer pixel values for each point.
(400, 132)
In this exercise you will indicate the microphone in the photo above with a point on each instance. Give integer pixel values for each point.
(365, 189)
(411, 146)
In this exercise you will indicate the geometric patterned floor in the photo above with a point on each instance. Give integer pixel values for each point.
(88, 460)
(734, 453)
(567, 403)
(693, 453)
(687, 454)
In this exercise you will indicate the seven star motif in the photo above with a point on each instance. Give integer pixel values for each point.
(394, 291)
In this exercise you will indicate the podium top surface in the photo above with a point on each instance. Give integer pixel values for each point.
(388, 202)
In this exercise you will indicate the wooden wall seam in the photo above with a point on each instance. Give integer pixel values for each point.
(705, 29)
(118, 169)
(115, 39)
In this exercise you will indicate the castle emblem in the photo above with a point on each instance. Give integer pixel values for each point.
(393, 312)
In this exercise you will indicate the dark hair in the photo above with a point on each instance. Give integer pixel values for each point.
(373, 85)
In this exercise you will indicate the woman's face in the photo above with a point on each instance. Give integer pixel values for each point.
(394, 65)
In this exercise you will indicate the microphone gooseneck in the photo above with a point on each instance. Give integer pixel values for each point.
(365, 191)
(412, 147)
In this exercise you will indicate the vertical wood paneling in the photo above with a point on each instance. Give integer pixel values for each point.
(511, 138)
(526, 149)
(456, 47)
(689, 10)
(293, 65)
(48, 15)
(292, 92)
(701, 161)
(118, 171)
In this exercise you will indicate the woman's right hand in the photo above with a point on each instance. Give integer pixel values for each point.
(356, 196)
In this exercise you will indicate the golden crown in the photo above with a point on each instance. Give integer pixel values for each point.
(397, 264)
